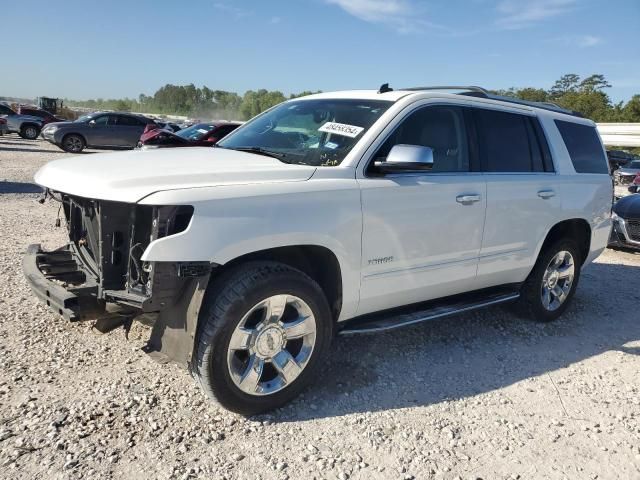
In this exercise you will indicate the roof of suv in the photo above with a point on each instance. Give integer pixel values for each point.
(475, 93)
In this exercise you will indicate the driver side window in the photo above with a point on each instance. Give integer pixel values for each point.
(102, 120)
(440, 127)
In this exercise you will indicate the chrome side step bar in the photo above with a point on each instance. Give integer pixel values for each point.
(388, 320)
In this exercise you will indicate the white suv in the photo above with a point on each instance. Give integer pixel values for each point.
(322, 216)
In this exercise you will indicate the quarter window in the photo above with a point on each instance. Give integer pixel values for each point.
(584, 147)
(440, 127)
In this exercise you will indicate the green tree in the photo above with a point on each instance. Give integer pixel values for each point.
(565, 84)
(631, 111)
(594, 83)
(121, 106)
(533, 94)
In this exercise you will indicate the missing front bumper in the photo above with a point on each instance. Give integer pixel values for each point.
(58, 281)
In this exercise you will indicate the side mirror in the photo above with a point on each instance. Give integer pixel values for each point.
(92, 123)
(407, 158)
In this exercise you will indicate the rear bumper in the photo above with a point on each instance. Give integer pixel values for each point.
(50, 275)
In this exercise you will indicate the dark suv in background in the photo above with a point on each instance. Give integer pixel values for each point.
(110, 130)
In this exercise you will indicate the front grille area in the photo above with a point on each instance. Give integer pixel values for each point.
(633, 230)
(109, 239)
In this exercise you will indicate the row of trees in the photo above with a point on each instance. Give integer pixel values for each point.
(193, 101)
(586, 95)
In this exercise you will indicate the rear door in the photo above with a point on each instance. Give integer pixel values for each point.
(127, 130)
(523, 200)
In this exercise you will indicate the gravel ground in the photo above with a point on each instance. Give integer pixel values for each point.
(483, 395)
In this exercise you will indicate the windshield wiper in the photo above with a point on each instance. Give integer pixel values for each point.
(260, 151)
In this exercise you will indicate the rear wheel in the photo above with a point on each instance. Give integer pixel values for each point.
(552, 283)
(30, 132)
(263, 331)
(73, 143)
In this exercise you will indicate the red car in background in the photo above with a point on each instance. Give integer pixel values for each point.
(198, 135)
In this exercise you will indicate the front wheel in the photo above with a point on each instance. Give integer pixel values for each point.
(552, 283)
(264, 330)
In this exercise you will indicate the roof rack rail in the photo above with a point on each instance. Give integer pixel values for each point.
(474, 91)
(543, 105)
(471, 88)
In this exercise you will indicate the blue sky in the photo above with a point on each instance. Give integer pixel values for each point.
(81, 49)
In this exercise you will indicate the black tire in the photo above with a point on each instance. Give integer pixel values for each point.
(73, 143)
(530, 303)
(29, 131)
(227, 301)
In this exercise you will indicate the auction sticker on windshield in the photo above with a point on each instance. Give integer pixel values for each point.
(341, 129)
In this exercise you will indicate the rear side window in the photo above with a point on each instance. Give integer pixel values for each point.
(127, 121)
(510, 142)
(584, 147)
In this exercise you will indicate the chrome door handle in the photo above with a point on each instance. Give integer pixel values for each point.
(546, 194)
(467, 199)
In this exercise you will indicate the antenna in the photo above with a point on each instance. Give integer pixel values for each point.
(384, 88)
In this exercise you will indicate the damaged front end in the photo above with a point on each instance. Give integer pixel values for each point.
(100, 273)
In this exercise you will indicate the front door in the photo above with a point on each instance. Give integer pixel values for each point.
(98, 133)
(422, 232)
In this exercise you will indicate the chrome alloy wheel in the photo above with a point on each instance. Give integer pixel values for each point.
(271, 345)
(31, 133)
(557, 280)
(73, 143)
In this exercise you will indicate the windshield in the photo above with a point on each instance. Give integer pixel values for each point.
(84, 118)
(196, 132)
(310, 132)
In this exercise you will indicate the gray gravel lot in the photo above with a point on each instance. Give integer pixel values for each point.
(484, 395)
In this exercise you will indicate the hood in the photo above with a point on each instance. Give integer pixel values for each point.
(62, 123)
(628, 207)
(132, 175)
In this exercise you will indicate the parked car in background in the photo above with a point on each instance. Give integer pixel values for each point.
(626, 223)
(198, 135)
(635, 185)
(174, 127)
(625, 175)
(27, 126)
(46, 117)
(620, 158)
(110, 130)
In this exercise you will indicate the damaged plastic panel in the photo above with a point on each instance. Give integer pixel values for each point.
(108, 240)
